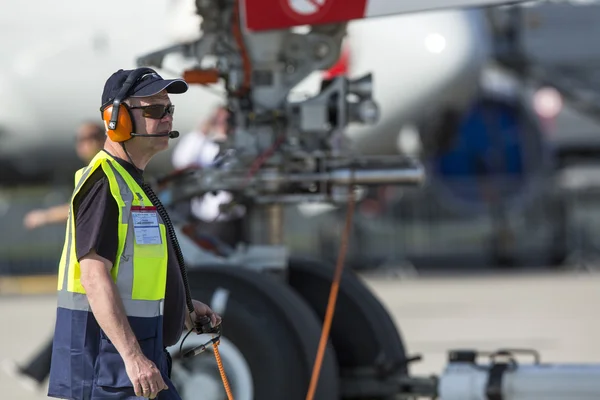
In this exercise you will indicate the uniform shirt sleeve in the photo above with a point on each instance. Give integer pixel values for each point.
(96, 218)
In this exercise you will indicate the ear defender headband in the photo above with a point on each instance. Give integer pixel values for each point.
(116, 115)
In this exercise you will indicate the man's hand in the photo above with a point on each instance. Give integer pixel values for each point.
(41, 217)
(146, 378)
(200, 310)
(35, 219)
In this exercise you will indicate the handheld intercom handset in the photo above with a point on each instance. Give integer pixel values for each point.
(203, 325)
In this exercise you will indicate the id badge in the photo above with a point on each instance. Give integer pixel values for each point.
(145, 225)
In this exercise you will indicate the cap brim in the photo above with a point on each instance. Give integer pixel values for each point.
(175, 86)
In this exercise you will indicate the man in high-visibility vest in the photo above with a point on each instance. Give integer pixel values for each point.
(121, 296)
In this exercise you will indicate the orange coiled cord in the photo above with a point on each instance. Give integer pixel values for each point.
(222, 371)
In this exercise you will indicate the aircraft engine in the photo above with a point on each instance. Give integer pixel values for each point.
(430, 65)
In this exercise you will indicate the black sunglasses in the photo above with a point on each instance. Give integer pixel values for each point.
(156, 111)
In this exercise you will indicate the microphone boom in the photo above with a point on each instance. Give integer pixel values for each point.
(171, 135)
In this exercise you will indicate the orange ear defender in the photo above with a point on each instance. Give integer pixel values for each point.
(116, 115)
(124, 126)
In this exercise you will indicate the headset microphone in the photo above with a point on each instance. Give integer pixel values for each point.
(171, 135)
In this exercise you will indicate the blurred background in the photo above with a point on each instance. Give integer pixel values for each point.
(500, 104)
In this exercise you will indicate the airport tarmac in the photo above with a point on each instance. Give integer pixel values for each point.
(554, 314)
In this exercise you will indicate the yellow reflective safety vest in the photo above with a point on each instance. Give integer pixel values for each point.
(85, 364)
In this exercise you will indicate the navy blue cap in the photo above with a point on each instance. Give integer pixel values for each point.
(148, 85)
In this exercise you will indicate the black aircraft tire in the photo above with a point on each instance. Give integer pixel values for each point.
(275, 330)
(362, 333)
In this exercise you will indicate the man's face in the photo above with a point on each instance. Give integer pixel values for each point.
(88, 143)
(152, 124)
(218, 126)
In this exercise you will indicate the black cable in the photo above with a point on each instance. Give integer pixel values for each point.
(173, 238)
(183, 340)
(201, 323)
(171, 233)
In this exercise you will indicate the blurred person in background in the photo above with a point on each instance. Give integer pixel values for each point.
(89, 141)
(90, 138)
(211, 213)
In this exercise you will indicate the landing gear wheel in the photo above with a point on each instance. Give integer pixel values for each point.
(363, 334)
(269, 343)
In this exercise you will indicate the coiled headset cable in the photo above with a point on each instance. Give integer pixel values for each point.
(203, 324)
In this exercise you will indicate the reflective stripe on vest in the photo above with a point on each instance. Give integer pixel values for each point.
(139, 271)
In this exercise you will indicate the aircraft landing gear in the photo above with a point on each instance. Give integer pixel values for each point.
(270, 338)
